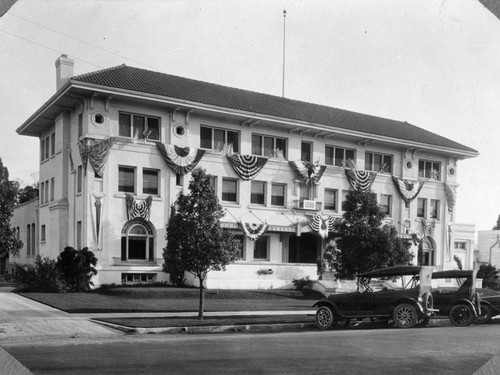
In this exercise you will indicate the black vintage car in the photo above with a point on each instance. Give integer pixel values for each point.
(404, 298)
(490, 305)
(455, 296)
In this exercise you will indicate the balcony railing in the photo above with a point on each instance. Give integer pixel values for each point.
(308, 205)
(137, 262)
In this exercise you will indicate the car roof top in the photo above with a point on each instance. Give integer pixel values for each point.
(452, 273)
(392, 271)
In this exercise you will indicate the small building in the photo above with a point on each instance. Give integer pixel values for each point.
(117, 146)
(488, 246)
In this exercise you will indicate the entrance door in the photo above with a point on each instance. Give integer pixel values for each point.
(304, 248)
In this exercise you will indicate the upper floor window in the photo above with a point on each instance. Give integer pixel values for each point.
(269, 146)
(45, 147)
(52, 188)
(215, 139)
(378, 162)
(126, 179)
(429, 169)
(330, 202)
(80, 125)
(461, 245)
(278, 194)
(258, 193)
(79, 179)
(338, 155)
(306, 150)
(150, 181)
(422, 207)
(52, 144)
(386, 204)
(139, 126)
(434, 212)
(229, 190)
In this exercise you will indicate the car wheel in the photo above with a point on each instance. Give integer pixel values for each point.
(405, 316)
(324, 317)
(485, 315)
(461, 315)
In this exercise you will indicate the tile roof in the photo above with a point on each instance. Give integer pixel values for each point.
(150, 82)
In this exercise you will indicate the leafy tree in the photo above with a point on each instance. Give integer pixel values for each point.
(362, 243)
(497, 226)
(77, 268)
(174, 264)
(489, 274)
(8, 192)
(195, 238)
(27, 193)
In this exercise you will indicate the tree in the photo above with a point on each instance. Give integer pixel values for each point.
(77, 268)
(8, 193)
(195, 238)
(174, 264)
(362, 242)
(27, 193)
(489, 274)
(497, 226)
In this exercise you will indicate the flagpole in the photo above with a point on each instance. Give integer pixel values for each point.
(283, 77)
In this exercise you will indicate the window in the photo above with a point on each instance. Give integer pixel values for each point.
(429, 169)
(33, 239)
(330, 199)
(241, 240)
(460, 245)
(46, 191)
(268, 146)
(338, 155)
(179, 180)
(52, 188)
(213, 183)
(258, 192)
(28, 240)
(42, 149)
(80, 125)
(421, 207)
(386, 204)
(139, 126)
(215, 139)
(229, 190)
(42, 193)
(378, 162)
(304, 193)
(47, 147)
(137, 241)
(150, 182)
(434, 213)
(126, 179)
(42, 233)
(53, 144)
(78, 235)
(260, 248)
(306, 151)
(79, 178)
(278, 194)
(344, 199)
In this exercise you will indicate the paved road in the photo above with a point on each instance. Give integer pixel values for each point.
(431, 350)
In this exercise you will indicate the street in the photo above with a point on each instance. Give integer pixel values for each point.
(431, 350)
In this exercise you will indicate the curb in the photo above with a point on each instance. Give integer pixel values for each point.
(212, 329)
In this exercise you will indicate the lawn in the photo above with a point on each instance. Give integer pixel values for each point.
(169, 299)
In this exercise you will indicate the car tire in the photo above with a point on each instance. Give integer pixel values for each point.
(405, 316)
(485, 316)
(461, 315)
(324, 318)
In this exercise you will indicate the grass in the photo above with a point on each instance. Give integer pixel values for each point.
(162, 299)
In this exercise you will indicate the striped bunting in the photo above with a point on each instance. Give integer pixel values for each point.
(307, 172)
(322, 224)
(181, 160)
(253, 230)
(247, 166)
(96, 151)
(408, 189)
(135, 209)
(451, 196)
(360, 180)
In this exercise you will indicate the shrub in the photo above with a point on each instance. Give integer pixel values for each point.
(302, 283)
(77, 268)
(43, 276)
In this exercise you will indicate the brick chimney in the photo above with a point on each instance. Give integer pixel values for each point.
(64, 70)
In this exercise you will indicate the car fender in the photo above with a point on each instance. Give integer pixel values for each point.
(330, 304)
(490, 305)
(410, 301)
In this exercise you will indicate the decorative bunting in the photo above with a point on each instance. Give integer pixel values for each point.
(360, 180)
(247, 166)
(96, 212)
(451, 196)
(181, 160)
(96, 151)
(307, 172)
(428, 228)
(322, 224)
(135, 209)
(408, 189)
(253, 230)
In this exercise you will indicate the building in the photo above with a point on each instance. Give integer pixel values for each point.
(117, 145)
(488, 246)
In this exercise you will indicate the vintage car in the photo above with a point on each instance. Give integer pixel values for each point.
(455, 296)
(404, 299)
(490, 305)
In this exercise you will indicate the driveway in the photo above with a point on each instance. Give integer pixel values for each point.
(23, 319)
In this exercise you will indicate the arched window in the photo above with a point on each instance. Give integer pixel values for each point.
(33, 239)
(138, 240)
(426, 251)
(28, 240)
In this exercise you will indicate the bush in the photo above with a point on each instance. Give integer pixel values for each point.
(77, 268)
(43, 276)
(302, 283)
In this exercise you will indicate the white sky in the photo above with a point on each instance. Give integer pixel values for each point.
(433, 63)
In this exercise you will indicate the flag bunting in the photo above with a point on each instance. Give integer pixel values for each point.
(408, 190)
(136, 209)
(181, 160)
(253, 230)
(307, 172)
(247, 166)
(96, 151)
